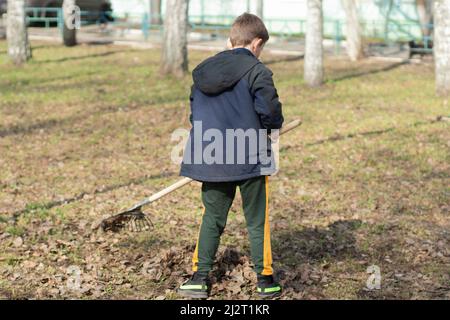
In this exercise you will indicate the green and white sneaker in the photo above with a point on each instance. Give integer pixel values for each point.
(196, 288)
(267, 287)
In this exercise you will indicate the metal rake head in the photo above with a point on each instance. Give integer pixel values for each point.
(133, 220)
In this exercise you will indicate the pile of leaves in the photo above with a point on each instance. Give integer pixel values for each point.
(232, 274)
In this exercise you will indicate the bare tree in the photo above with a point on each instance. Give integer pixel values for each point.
(16, 32)
(425, 12)
(442, 46)
(355, 49)
(260, 8)
(174, 51)
(155, 12)
(314, 44)
(70, 23)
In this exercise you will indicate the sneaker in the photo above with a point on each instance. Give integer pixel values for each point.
(267, 287)
(196, 287)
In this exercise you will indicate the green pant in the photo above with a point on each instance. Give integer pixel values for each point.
(217, 199)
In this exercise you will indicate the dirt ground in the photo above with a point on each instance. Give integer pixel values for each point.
(85, 132)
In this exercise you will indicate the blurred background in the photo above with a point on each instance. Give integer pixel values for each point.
(388, 26)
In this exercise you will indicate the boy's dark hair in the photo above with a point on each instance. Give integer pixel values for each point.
(247, 27)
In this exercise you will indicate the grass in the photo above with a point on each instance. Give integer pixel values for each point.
(85, 132)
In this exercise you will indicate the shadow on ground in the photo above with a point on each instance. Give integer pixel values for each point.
(75, 58)
(24, 129)
(284, 59)
(295, 249)
(368, 72)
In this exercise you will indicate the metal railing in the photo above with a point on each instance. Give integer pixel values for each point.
(47, 16)
(54, 16)
(376, 31)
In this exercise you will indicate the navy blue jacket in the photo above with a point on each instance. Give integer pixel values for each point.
(233, 100)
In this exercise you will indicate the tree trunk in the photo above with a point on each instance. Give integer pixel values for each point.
(155, 12)
(70, 23)
(260, 8)
(3, 26)
(442, 46)
(355, 48)
(314, 44)
(174, 51)
(16, 32)
(425, 13)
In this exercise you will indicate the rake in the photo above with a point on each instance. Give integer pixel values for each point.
(136, 220)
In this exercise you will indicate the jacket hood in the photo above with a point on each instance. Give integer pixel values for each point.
(223, 71)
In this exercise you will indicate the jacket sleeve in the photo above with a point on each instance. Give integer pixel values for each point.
(266, 102)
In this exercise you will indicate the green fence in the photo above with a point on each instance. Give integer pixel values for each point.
(377, 31)
(47, 16)
(50, 17)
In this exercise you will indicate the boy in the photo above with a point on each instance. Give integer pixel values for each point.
(233, 96)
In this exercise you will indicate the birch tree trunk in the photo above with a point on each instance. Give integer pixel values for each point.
(260, 8)
(355, 48)
(425, 13)
(69, 28)
(442, 46)
(16, 32)
(314, 44)
(155, 12)
(174, 52)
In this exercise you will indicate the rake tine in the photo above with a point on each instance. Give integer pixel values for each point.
(138, 221)
(148, 221)
(130, 226)
(133, 221)
(138, 224)
(148, 224)
(144, 225)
